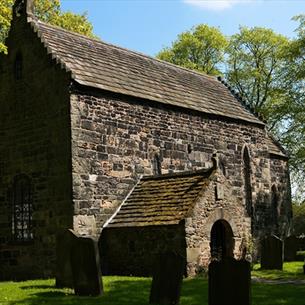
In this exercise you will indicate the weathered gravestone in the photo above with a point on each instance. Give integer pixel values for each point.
(229, 282)
(291, 246)
(80, 258)
(85, 265)
(167, 279)
(63, 274)
(272, 253)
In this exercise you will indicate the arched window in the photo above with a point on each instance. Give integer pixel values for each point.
(157, 165)
(247, 182)
(274, 205)
(22, 209)
(18, 66)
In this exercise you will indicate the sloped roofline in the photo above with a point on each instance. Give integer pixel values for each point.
(35, 25)
(206, 173)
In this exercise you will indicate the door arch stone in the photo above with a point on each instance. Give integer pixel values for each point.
(221, 240)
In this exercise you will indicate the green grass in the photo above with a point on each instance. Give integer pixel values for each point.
(291, 270)
(135, 291)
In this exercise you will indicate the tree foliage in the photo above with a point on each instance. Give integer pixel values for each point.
(202, 49)
(268, 71)
(48, 11)
(298, 226)
(292, 131)
(255, 66)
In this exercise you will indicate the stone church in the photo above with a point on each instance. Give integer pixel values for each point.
(98, 138)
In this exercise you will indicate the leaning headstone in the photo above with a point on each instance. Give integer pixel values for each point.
(229, 282)
(63, 272)
(291, 246)
(167, 279)
(85, 265)
(272, 253)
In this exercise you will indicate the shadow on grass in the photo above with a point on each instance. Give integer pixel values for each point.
(291, 270)
(135, 291)
(117, 292)
(266, 294)
(194, 292)
(37, 287)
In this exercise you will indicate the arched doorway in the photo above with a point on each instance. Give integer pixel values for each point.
(222, 242)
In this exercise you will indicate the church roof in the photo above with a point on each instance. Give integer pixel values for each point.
(161, 200)
(274, 147)
(101, 65)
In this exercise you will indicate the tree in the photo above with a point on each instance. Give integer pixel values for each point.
(5, 17)
(255, 67)
(48, 11)
(202, 49)
(268, 71)
(292, 129)
(298, 227)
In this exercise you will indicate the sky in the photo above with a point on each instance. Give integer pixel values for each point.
(147, 26)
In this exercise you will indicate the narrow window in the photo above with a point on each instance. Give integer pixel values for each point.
(274, 205)
(189, 148)
(18, 67)
(22, 209)
(247, 182)
(222, 167)
(157, 165)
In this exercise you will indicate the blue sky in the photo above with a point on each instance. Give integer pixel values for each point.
(149, 25)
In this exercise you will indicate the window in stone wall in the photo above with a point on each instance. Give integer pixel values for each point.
(22, 208)
(247, 182)
(222, 167)
(157, 165)
(18, 66)
(274, 205)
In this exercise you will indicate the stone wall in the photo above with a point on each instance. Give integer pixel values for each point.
(115, 139)
(217, 202)
(34, 141)
(132, 251)
(281, 180)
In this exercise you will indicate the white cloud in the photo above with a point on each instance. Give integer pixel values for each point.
(216, 5)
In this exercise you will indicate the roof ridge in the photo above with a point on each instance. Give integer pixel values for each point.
(35, 21)
(198, 88)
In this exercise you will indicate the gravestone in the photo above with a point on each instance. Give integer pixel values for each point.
(229, 282)
(272, 253)
(85, 264)
(63, 273)
(291, 246)
(167, 279)
(78, 264)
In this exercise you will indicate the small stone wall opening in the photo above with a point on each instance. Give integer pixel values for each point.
(18, 66)
(274, 206)
(222, 242)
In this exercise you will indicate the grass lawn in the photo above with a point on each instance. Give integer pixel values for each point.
(135, 291)
(291, 270)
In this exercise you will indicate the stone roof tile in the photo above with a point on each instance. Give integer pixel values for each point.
(161, 200)
(100, 65)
